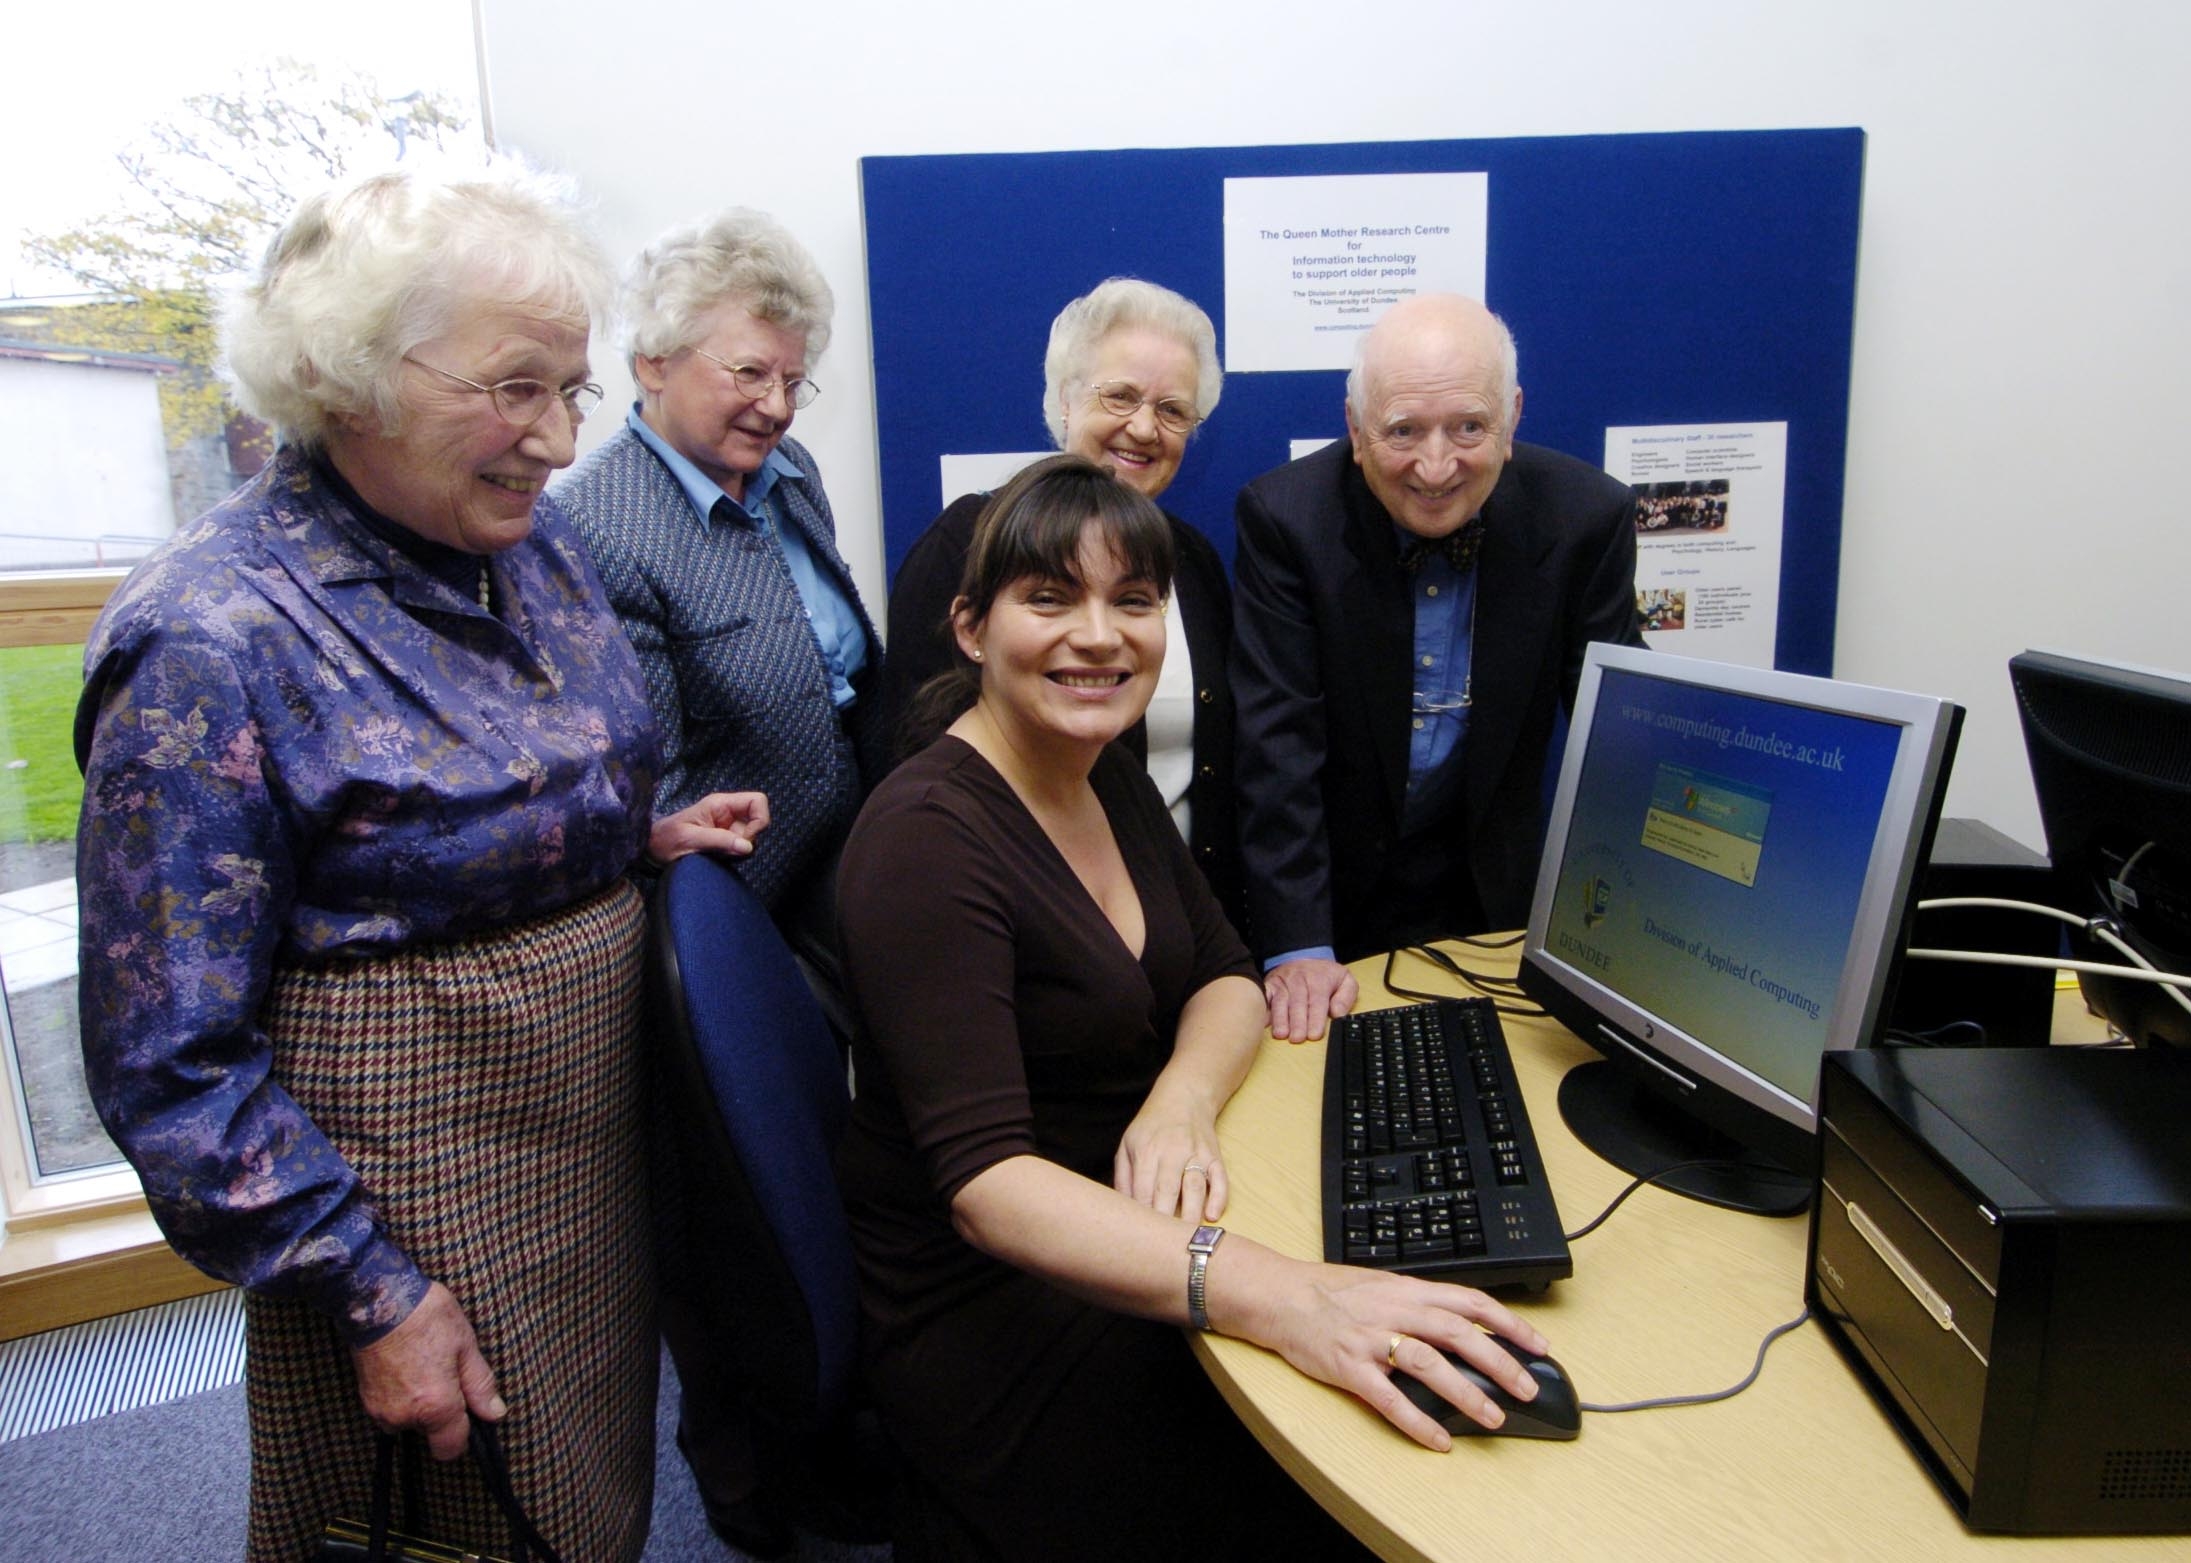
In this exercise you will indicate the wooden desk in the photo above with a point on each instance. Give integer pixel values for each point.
(1669, 1297)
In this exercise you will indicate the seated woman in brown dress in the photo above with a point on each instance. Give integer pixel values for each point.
(1052, 1012)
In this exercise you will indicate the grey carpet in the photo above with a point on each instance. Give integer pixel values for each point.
(170, 1481)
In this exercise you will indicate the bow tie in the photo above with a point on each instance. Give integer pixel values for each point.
(1460, 548)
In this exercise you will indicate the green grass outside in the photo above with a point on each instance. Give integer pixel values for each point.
(40, 788)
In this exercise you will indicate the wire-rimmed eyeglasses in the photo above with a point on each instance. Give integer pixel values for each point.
(754, 383)
(522, 402)
(1441, 702)
(1122, 399)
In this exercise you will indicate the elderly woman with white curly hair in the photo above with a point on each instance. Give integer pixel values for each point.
(1130, 373)
(366, 762)
(719, 551)
(715, 540)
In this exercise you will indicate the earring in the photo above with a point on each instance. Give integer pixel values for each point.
(977, 654)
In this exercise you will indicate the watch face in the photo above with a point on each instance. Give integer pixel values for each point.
(1205, 1237)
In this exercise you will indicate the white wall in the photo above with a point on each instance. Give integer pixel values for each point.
(2021, 340)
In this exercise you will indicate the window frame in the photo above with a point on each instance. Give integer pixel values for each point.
(53, 607)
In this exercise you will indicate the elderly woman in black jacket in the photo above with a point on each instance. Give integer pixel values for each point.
(1131, 372)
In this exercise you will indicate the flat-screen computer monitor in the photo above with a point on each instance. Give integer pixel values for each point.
(2110, 750)
(1726, 881)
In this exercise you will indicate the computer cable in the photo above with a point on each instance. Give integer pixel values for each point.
(1979, 1037)
(1484, 980)
(1662, 1402)
(1726, 1163)
(1489, 984)
(1490, 980)
(1478, 941)
(1971, 1032)
(2099, 928)
(2145, 971)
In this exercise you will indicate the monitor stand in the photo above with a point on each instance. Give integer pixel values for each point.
(1639, 1131)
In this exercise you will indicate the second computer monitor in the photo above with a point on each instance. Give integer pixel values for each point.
(2110, 749)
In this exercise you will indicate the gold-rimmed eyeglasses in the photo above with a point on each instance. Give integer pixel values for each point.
(523, 403)
(1122, 399)
(754, 383)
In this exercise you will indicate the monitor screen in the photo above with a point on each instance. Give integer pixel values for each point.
(1722, 898)
(2110, 751)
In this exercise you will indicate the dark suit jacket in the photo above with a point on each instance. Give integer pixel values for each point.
(1323, 636)
(920, 648)
(734, 671)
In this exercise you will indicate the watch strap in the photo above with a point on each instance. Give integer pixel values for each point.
(1199, 1248)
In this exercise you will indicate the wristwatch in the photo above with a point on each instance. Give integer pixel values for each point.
(1199, 1248)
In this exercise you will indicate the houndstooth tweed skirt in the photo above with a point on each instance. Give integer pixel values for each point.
(489, 1094)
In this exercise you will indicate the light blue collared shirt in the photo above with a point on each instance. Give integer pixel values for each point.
(836, 623)
(1445, 619)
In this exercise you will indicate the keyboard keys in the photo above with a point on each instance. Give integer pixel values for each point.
(1420, 1103)
(1423, 1228)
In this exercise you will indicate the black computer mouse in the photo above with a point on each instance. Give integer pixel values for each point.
(1555, 1413)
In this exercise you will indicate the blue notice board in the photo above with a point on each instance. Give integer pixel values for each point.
(1697, 278)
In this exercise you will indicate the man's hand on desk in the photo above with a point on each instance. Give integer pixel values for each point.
(1304, 994)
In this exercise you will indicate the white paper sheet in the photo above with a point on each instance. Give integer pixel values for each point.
(1710, 499)
(981, 471)
(1310, 263)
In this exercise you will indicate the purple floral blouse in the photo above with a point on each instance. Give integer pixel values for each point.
(295, 743)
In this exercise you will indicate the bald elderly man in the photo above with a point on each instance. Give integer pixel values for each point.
(1411, 606)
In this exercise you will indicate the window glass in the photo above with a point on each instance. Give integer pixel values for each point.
(156, 181)
(181, 154)
(39, 791)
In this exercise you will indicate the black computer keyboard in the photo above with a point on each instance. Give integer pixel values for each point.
(1430, 1166)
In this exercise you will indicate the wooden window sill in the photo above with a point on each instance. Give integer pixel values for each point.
(89, 1267)
(53, 608)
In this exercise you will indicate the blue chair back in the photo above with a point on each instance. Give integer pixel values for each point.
(756, 1091)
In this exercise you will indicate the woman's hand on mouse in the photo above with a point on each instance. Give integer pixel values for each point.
(1353, 1328)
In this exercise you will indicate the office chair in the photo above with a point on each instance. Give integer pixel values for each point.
(754, 1095)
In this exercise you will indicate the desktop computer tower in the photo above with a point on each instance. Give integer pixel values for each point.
(1966, 1004)
(2001, 1248)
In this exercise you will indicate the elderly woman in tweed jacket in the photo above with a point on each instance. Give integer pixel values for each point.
(715, 540)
